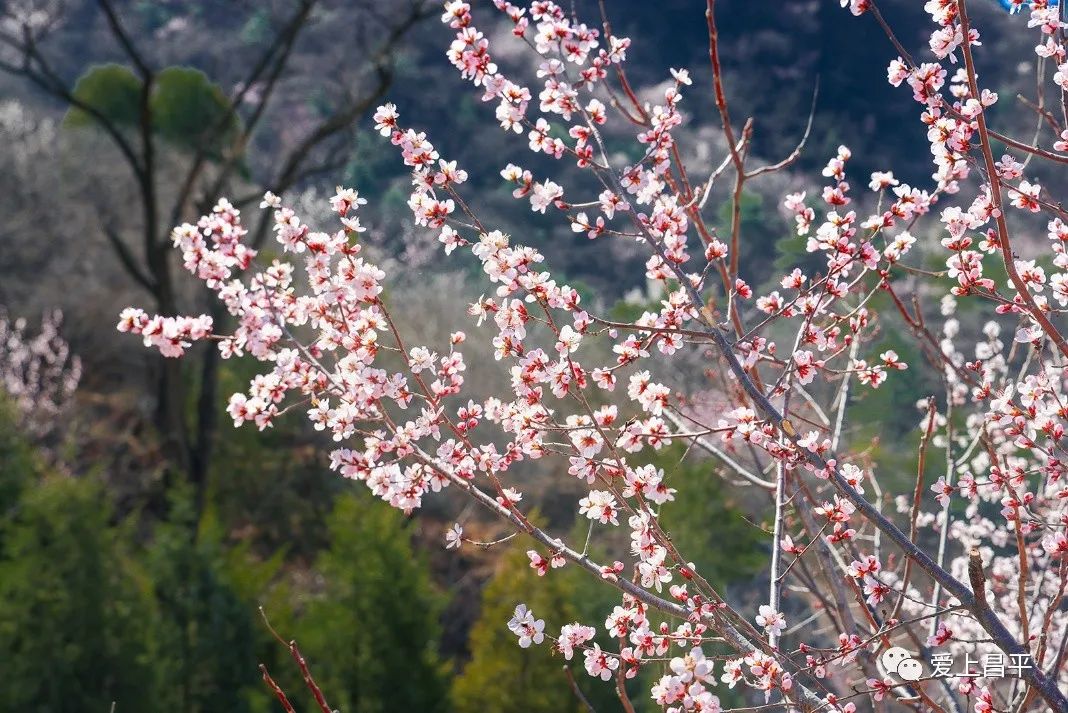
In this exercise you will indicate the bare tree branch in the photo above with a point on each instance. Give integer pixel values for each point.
(129, 261)
(124, 40)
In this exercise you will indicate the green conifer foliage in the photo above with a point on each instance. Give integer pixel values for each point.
(73, 619)
(370, 635)
(205, 631)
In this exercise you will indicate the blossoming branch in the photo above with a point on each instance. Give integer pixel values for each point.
(785, 361)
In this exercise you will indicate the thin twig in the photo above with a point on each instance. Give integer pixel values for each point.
(917, 497)
(302, 664)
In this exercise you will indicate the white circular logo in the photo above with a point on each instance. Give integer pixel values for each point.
(902, 662)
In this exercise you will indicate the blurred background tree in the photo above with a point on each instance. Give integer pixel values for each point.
(74, 615)
(373, 628)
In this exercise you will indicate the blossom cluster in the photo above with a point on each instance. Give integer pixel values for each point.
(38, 373)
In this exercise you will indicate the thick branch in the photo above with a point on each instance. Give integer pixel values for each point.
(124, 40)
(128, 260)
(276, 58)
